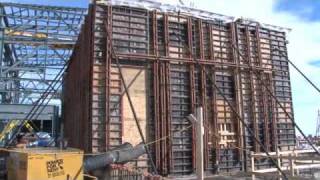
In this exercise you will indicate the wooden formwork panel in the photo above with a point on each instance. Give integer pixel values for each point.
(138, 84)
(182, 59)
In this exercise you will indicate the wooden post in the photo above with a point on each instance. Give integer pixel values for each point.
(199, 143)
(291, 161)
(253, 176)
(198, 123)
(279, 162)
(296, 157)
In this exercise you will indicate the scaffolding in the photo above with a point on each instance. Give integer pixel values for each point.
(36, 41)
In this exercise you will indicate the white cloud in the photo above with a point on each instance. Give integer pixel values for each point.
(304, 46)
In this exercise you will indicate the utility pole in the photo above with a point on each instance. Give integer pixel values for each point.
(198, 123)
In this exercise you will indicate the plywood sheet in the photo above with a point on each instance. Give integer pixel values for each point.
(139, 97)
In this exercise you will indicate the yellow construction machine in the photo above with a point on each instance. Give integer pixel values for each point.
(44, 164)
(55, 163)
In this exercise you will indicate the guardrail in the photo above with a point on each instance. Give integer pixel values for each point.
(290, 161)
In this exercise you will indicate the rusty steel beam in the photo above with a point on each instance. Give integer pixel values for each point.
(166, 96)
(192, 85)
(156, 115)
(238, 93)
(143, 58)
(108, 76)
(193, 106)
(168, 115)
(252, 85)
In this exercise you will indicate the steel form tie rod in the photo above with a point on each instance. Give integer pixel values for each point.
(130, 100)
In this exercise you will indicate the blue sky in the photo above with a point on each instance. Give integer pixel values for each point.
(304, 9)
(304, 40)
(73, 3)
(315, 63)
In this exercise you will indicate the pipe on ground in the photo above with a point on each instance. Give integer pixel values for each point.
(121, 154)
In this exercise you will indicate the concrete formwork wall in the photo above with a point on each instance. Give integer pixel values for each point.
(181, 58)
(77, 90)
